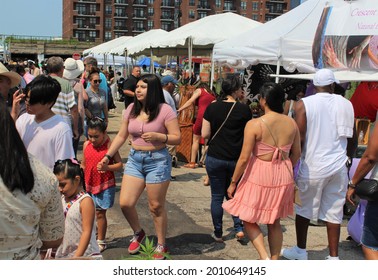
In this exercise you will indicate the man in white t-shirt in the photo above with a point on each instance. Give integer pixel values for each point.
(45, 135)
(326, 124)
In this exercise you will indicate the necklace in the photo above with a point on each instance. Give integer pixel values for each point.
(69, 204)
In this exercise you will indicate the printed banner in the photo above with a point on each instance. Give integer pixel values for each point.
(347, 37)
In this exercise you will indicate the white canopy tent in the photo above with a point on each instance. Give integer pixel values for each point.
(104, 48)
(115, 59)
(288, 40)
(199, 37)
(138, 43)
(202, 34)
(265, 44)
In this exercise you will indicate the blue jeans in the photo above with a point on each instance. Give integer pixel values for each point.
(220, 173)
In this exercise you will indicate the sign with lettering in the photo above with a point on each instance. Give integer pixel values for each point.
(347, 36)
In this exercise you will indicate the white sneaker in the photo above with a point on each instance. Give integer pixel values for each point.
(217, 239)
(293, 254)
(329, 258)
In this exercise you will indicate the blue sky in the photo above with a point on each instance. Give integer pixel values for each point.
(31, 17)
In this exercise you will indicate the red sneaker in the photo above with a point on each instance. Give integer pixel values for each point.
(160, 252)
(135, 242)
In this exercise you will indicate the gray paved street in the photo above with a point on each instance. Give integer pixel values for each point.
(190, 226)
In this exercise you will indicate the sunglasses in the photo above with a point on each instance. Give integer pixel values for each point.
(97, 81)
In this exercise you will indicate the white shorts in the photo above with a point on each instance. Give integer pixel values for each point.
(323, 198)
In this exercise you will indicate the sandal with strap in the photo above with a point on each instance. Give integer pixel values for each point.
(191, 165)
(101, 245)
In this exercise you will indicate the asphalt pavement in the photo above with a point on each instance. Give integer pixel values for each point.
(190, 225)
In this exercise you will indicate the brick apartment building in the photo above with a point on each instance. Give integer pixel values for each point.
(104, 20)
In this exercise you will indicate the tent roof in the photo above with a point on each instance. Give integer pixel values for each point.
(204, 33)
(288, 39)
(104, 48)
(264, 44)
(139, 42)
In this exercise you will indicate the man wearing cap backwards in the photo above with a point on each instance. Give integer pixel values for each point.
(8, 80)
(169, 84)
(326, 125)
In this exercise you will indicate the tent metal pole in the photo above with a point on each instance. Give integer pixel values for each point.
(278, 71)
(125, 74)
(113, 63)
(190, 49)
(212, 70)
(152, 65)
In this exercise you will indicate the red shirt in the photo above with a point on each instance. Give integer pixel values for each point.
(95, 181)
(365, 100)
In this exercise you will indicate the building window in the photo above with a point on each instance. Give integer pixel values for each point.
(138, 25)
(80, 35)
(139, 13)
(255, 6)
(150, 24)
(81, 9)
(202, 15)
(150, 12)
(120, 12)
(108, 23)
(192, 3)
(108, 36)
(255, 17)
(243, 5)
(92, 9)
(167, 26)
(108, 9)
(218, 3)
(92, 34)
(150, 1)
(191, 14)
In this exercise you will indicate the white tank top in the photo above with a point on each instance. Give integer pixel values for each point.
(324, 152)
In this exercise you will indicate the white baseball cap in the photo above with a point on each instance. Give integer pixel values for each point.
(324, 77)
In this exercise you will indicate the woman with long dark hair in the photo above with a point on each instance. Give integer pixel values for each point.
(265, 193)
(31, 217)
(152, 125)
(224, 147)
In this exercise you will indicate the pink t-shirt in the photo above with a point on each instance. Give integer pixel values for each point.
(137, 127)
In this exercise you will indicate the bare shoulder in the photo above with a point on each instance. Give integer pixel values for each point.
(85, 144)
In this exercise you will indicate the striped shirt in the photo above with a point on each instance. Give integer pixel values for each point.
(65, 100)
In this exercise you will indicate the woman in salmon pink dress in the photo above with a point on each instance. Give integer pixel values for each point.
(265, 193)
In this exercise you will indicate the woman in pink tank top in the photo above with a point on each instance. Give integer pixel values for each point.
(152, 124)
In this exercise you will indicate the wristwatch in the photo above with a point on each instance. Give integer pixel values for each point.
(350, 184)
(108, 157)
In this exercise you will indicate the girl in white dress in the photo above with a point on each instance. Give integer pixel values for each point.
(80, 233)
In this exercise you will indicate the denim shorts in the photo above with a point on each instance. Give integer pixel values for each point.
(370, 229)
(105, 199)
(152, 166)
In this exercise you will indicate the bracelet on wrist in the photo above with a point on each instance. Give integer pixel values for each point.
(351, 185)
(233, 182)
(166, 138)
(108, 157)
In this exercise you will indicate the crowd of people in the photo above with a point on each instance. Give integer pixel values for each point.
(55, 206)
